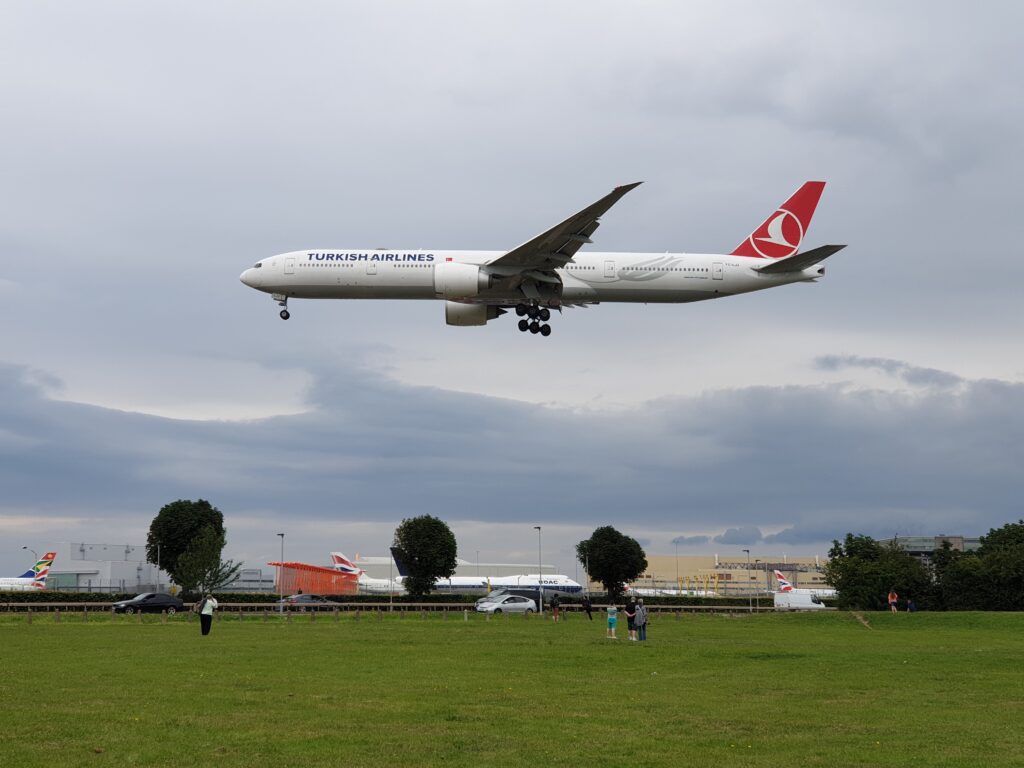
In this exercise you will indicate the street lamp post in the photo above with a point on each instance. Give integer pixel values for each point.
(158, 567)
(540, 573)
(757, 594)
(678, 585)
(280, 576)
(750, 600)
(33, 552)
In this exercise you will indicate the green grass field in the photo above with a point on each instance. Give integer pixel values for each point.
(769, 690)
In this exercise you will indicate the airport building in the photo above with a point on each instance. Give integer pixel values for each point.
(81, 567)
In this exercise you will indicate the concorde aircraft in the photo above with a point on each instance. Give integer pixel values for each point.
(550, 272)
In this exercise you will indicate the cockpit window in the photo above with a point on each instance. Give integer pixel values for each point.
(257, 265)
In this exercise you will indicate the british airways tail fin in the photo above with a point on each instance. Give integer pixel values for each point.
(343, 564)
(781, 234)
(784, 585)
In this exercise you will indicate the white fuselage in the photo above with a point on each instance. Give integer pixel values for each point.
(589, 278)
(471, 584)
(18, 584)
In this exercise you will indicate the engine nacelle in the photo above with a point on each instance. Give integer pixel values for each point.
(454, 280)
(469, 314)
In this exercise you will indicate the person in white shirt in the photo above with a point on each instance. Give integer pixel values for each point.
(206, 609)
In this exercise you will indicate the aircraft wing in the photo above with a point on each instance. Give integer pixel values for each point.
(559, 244)
(800, 261)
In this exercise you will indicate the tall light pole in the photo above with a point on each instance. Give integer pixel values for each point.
(158, 566)
(33, 552)
(280, 576)
(758, 593)
(540, 573)
(750, 600)
(678, 585)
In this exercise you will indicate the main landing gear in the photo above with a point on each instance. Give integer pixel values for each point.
(282, 301)
(538, 317)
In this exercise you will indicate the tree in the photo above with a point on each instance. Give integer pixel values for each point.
(1002, 567)
(174, 528)
(200, 568)
(611, 558)
(426, 546)
(863, 571)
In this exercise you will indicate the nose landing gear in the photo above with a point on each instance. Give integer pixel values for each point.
(537, 322)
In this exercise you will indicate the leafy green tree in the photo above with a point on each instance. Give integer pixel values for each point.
(428, 550)
(863, 571)
(1002, 567)
(611, 558)
(200, 568)
(174, 528)
(959, 581)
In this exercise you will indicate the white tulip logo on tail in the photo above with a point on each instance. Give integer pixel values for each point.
(780, 236)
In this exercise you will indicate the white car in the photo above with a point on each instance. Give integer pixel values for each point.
(508, 604)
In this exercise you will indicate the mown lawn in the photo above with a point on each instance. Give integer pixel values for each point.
(770, 690)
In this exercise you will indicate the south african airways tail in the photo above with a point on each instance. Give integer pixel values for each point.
(33, 578)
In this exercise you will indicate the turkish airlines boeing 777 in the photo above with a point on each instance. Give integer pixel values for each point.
(549, 271)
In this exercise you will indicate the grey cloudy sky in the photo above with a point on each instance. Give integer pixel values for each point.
(150, 154)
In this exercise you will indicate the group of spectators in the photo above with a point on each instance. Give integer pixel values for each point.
(636, 617)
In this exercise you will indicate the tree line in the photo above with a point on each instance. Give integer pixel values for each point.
(864, 570)
(187, 538)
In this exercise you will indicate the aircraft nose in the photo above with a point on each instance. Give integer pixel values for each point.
(250, 277)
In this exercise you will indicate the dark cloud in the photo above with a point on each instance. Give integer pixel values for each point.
(691, 541)
(747, 534)
(911, 374)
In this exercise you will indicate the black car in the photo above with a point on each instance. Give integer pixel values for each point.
(303, 599)
(150, 602)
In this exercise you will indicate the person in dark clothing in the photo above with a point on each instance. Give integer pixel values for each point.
(587, 606)
(631, 618)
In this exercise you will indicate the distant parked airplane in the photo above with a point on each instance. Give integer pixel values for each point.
(34, 578)
(548, 272)
(785, 586)
(461, 584)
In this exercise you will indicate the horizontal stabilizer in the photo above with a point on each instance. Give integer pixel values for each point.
(798, 262)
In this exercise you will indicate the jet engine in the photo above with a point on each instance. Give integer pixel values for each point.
(454, 280)
(456, 313)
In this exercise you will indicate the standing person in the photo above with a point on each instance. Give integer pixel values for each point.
(893, 600)
(631, 618)
(588, 606)
(206, 608)
(613, 619)
(640, 620)
(554, 602)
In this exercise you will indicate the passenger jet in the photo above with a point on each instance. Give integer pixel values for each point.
(33, 578)
(550, 272)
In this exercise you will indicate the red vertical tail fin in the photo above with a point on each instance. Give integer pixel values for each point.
(781, 234)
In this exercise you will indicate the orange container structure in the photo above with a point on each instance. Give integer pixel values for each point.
(314, 579)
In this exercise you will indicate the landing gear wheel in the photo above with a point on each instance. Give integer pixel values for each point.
(521, 309)
(524, 325)
(532, 311)
(545, 330)
(285, 314)
(534, 327)
(545, 314)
